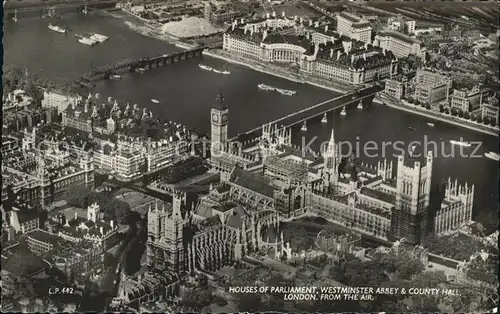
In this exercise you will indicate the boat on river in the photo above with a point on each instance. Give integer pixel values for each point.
(205, 67)
(154, 101)
(56, 28)
(492, 155)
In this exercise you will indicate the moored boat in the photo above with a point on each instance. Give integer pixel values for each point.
(98, 37)
(264, 87)
(324, 119)
(115, 77)
(430, 124)
(492, 155)
(411, 128)
(87, 41)
(56, 28)
(205, 67)
(155, 101)
(360, 105)
(141, 70)
(226, 72)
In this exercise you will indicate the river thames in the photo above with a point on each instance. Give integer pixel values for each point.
(186, 94)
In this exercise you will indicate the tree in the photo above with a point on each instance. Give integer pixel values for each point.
(493, 123)
(427, 106)
(467, 115)
(446, 110)
(454, 112)
(417, 102)
(77, 196)
(249, 303)
(296, 236)
(109, 259)
(460, 114)
(486, 120)
(198, 298)
(441, 108)
(479, 120)
(410, 99)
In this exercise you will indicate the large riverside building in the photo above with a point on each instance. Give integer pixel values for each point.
(59, 100)
(269, 173)
(396, 86)
(313, 50)
(467, 100)
(354, 27)
(456, 208)
(400, 44)
(490, 109)
(431, 87)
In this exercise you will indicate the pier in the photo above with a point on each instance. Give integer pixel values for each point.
(317, 111)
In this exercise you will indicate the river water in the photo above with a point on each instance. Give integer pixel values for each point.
(186, 94)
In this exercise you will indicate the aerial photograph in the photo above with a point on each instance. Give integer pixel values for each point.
(224, 156)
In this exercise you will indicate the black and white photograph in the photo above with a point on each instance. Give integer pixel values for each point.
(253, 156)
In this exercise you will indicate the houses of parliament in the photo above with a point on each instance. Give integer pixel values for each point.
(267, 180)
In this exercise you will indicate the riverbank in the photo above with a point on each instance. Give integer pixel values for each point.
(219, 54)
(437, 116)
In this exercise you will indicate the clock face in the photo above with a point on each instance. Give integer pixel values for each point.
(224, 118)
(215, 118)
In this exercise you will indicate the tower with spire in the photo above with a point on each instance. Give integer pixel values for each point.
(219, 124)
(331, 164)
(174, 228)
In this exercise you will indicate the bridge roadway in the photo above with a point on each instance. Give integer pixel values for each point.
(365, 94)
(152, 62)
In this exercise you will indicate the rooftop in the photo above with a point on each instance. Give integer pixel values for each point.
(252, 181)
(400, 36)
(388, 198)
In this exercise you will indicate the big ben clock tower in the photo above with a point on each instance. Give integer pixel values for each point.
(219, 122)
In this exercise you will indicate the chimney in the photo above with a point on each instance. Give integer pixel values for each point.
(295, 17)
(264, 34)
(245, 31)
(242, 21)
(364, 56)
(101, 229)
(251, 31)
(310, 22)
(366, 46)
(301, 20)
(283, 14)
(333, 39)
(324, 41)
(352, 59)
(338, 54)
(316, 24)
(234, 25)
(274, 13)
(326, 28)
(111, 222)
(331, 53)
(76, 215)
(383, 51)
(268, 15)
